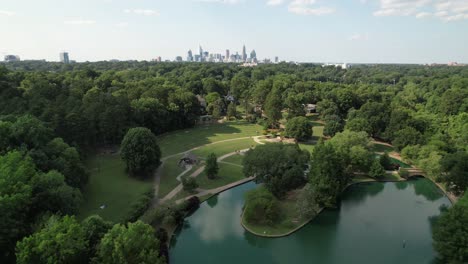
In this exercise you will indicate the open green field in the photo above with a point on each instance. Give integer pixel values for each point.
(223, 148)
(228, 173)
(236, 159)
(169, 172)
(381, 148)
(182, 140)
(317, 132)
(110, 185)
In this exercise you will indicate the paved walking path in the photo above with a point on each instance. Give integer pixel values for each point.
(157, 174)
(179, 187)
(218, 190)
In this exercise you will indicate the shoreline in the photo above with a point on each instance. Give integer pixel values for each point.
(323, 208)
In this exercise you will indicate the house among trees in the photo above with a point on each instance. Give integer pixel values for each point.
(188, 159)
(310, 108)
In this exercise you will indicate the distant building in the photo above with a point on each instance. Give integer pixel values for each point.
(11, 58)
(64, 58)
(276, 59)
(343, 66)
(253, 56)
(189, 55)
(310, 108)
(227, 55)
(178, 59)
(157, 59)
(244, 54)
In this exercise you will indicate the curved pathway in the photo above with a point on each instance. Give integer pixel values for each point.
(157, 173)
(179, 187)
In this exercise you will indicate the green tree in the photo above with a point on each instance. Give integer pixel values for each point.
(450, 232)
(231, 110)
(377, 170)
(62, 240)
(333, 125)
(327, 175)
(51, 193)
(455, 168)
(405, 137)
(16, 173)
(273, 107)
(279, 166)
(95, 228)
(385, 161)
(261, 207)
(131, 244)
(189, 183)
(211, 167)
(299, 128)
(305, 205)
(140, 151)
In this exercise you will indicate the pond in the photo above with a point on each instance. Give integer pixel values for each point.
(375, 223)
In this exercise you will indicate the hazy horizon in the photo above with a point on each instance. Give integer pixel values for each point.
(355, 31)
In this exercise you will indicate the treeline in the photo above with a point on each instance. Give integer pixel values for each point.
(51, 114)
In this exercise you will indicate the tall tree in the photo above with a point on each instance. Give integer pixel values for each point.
(327, 175)
(140, 151)
(211, 167)
(62, 240)
(299, 128)
(280, 167)
(131, 244)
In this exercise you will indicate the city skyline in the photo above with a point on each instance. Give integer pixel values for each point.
(356, 31)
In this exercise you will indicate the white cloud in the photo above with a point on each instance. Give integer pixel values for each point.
(143, 12)
(423, 14)
(446, 10)
(301, 10)
(308, 7)
(7, 13)
(122, 24)
(357, 37)
(275, 2)
(228, 2)
(80, 22)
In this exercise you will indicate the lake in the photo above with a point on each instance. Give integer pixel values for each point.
(375, 223)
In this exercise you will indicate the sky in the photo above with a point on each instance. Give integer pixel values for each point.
(353, 31)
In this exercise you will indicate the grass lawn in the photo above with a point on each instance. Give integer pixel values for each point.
(381, 148)
(224, 147)
(317, 132)
(110, 185)
(236, 159)
(169, 173)
(288, 219)
(181, 140)
(182, 194)
(307, 146)
(402, 164)
(227, 174)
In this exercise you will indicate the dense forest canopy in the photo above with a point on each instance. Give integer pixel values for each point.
(53, 114)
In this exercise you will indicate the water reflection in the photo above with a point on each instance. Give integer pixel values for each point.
(213, 201)
(214, 224)
(369, 226)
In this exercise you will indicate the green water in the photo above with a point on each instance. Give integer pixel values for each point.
(370, 226)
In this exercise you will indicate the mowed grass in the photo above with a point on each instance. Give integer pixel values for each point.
(169, 173)
(110, 185)
(227, 174)
(381, 148)
(182, 140)
(317, 132)
(223, 148)
(236, 159)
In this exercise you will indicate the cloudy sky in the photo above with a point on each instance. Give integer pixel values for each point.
(406, 31)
